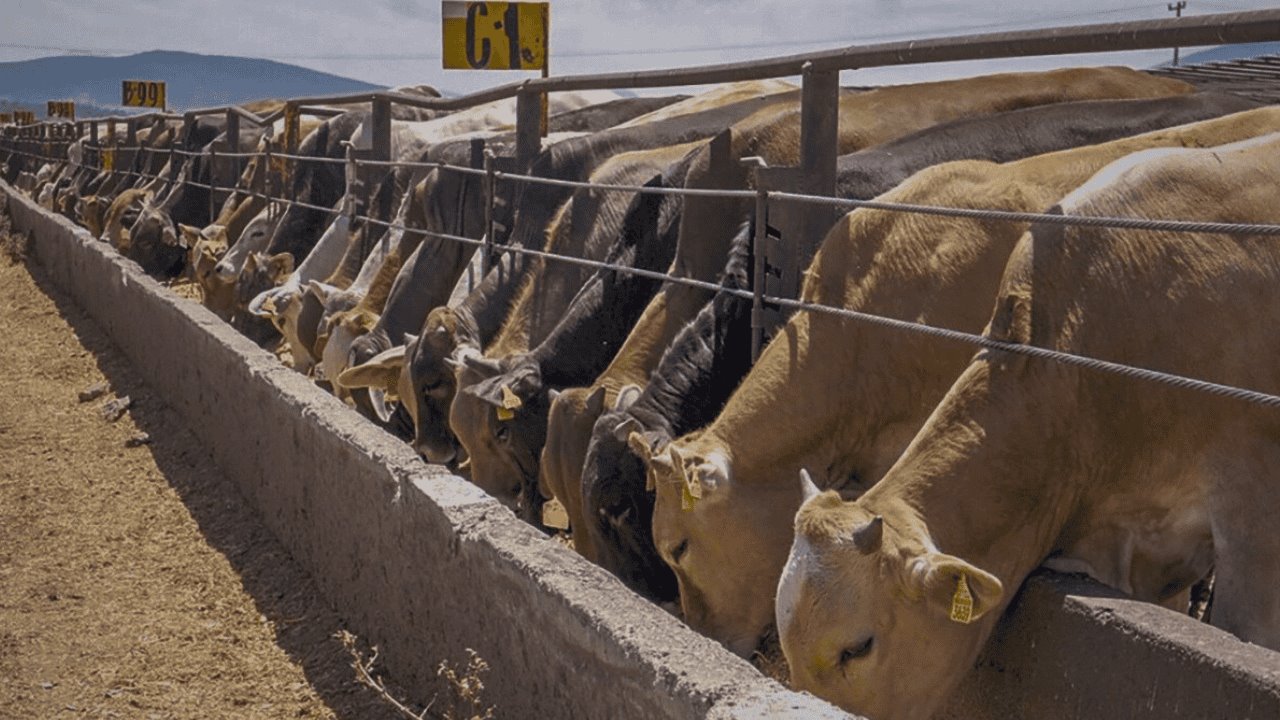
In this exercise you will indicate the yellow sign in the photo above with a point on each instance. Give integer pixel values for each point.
(495, 35)
(143, 93)
(108, 159)
(62, 109)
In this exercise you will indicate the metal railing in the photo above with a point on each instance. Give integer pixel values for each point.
(818, 105)
(757, 295)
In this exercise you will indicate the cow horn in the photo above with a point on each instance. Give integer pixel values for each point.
(867, 537)
(808, 489)
(480, 363)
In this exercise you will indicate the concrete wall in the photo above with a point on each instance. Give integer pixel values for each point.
(424, 564)
(420, 563)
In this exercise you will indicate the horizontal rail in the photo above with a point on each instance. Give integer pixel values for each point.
(981, 341)
(1212, 29)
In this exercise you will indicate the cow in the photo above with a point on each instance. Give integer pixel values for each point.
(708, 358)
(512, 461)
(717, 493)
(709, 224)
(886, 602)
(474, 323)
(592, 317)
(428, 279)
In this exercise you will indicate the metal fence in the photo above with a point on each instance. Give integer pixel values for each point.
(819, 96)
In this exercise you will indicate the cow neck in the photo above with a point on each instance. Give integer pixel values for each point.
(987, 478)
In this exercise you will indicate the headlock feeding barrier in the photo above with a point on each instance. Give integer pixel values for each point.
(417, 516)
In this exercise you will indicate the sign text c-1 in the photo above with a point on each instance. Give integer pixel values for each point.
(495, 35)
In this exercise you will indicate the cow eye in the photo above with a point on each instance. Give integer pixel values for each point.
(678, 551)
(854, 652)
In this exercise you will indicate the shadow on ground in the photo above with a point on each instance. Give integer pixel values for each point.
(305, 625)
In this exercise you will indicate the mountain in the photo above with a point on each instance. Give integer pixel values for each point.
(192, 80)
(1229, 52)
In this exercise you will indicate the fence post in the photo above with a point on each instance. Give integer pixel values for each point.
(380, 118)
(353, 181)
(268, 180)
(213, 181)
(528, 129)
(233, 145)
(819, 146)
(758, 251)
(490, 191)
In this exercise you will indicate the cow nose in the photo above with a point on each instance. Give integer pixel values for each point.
(436, 455)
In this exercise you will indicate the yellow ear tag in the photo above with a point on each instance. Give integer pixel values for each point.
(687, 499)
(510, 401)
(962, 603)
(554, 515)
(504, 414)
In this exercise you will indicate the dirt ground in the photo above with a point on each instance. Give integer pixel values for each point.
(134, 581)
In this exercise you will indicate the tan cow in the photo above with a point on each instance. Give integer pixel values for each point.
(887, 601)
(842, 398)
(122, 214)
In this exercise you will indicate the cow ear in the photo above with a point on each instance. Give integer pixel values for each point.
(190, 235)
(380, 371)
(317, 288)
(954, 588)
(639, 445)
(623, 430)
(408, 339)
(627, 397)
(279, 266)
(595, 401)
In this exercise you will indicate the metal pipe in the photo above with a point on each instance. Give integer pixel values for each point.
(490, 190)
(758, 243)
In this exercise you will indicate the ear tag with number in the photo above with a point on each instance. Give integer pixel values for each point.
(554, 515)
(962, 603)
(504, 414)
(687, 498)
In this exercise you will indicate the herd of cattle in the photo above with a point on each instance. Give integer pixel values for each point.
(875, 496)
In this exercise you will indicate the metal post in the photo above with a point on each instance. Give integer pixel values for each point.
(381, 121)
(490, 191)
(758, 252)
(528, 129)
(1176, 9)
(233, 145)
(213, 180)
(353, 181)
(268, 188)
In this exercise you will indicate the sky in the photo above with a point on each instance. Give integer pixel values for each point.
(397, 42)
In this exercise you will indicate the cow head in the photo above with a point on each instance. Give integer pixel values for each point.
(434, 384)
(872, 617)
(617, 509)
(203, 251)
(153, 242)
(721, 537)
(384, 371)
(121, 216)
(89, 212)
(569, 421)
(500, 417)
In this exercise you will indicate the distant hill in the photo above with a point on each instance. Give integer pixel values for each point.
(1228, 52)
(192, 80)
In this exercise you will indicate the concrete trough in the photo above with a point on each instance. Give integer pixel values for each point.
(425, 565)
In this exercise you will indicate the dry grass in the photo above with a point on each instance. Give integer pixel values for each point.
(135, 582)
